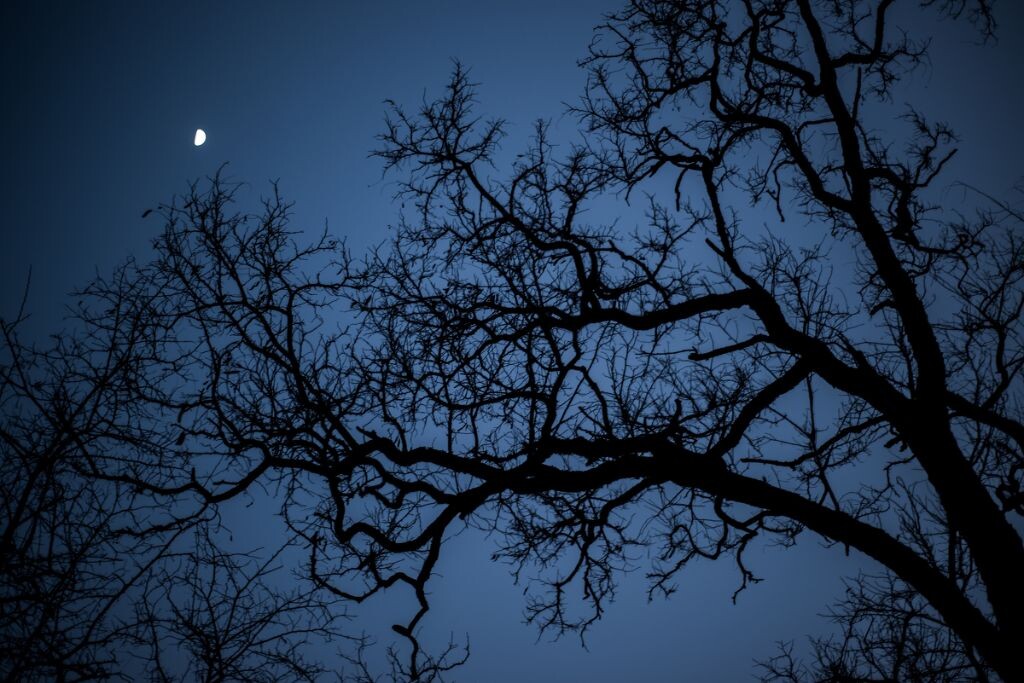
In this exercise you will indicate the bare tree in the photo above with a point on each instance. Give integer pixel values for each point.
(73, 547)
(217, 616)
(516, 361)
(95, 568)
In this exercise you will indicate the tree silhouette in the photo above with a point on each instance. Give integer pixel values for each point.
(804, 336)
(223, 610)
(72, 547)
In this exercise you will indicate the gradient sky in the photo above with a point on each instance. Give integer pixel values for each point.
(100, 102)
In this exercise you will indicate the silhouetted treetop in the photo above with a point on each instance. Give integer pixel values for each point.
(742, 304)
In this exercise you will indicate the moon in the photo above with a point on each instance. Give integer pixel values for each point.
(200, 137)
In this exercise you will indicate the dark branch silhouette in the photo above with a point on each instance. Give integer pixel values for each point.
(803, 336)
(231, 618)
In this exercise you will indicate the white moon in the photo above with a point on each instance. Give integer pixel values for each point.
(200, 136)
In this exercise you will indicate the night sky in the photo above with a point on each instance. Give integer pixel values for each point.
(100, 103)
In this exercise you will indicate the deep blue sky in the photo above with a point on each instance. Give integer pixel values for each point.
(100, 102)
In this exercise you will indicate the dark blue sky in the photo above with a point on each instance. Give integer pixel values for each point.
(100, 102)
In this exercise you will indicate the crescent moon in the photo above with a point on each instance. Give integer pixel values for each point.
(200, 137)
